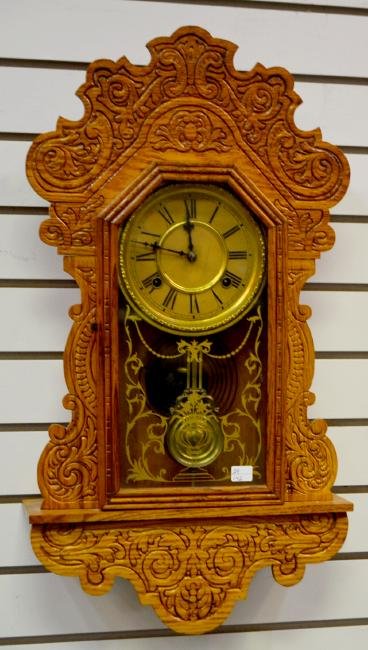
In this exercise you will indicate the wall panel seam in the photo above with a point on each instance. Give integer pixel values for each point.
(337, 489)
(24, 209)
(155, 633)
(307, 7)
(23, 136)
(28, 426)
(22, 569)
(39, 569)
(304, 77)
(52, 355)
(10, 283)
(44, 426)
(42, 210)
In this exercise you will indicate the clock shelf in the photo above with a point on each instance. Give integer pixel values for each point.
(296, 506)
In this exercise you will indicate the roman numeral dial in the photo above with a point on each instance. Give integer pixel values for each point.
(192, 259)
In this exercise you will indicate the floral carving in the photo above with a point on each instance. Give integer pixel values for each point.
(191, 130)
(191, 575)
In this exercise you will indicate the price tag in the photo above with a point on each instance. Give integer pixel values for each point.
(241, 473)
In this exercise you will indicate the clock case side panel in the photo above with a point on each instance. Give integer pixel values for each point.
(67, 472)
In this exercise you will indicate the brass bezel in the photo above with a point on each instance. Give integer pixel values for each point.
(223, 318)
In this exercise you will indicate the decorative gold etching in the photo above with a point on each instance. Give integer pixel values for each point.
(238, 431)
(190, 574)
(251, 395)
(139, 411)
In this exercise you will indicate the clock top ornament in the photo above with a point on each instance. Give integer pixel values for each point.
(190, 210)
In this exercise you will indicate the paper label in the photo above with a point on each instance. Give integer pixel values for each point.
(241, 473)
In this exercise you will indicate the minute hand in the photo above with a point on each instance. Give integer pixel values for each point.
(157, 246)
(188, 227)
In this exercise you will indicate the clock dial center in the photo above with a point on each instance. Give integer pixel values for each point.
(198, 270)
(192, 259)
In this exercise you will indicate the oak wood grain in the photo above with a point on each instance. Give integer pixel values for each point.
(187, 116)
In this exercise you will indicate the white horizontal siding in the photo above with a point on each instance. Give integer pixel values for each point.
(51, 92)
(22, 254)
(339, 320)
(15, 189)
(50, 604)
(31, 390)
(329, 107)
(341, 389)
(16, 549)
(350, 444)
(23, 448)
(36, 319)
(300, 639)
(303, 42)
(357, 537)
(355, 201)
(347, 261)
(46, 603)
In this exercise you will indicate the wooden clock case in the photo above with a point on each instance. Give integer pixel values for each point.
(187, 116)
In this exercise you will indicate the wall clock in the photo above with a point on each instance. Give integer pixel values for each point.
(190, 210)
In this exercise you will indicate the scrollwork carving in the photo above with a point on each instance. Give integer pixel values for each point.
(310, 454)
(77, 152)
(305, 165)
(308, 230)
(191, 65)
(68, 466)
(192, 575)
(72, 225)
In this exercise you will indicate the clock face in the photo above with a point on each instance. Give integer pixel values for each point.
(192, 259)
